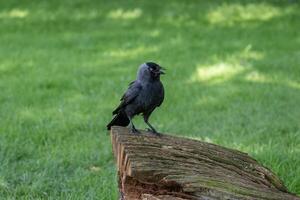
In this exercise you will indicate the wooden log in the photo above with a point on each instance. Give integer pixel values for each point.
(174, 168)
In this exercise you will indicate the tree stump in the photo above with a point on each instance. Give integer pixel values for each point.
(174, 168)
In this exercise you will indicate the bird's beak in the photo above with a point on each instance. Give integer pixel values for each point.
(161, 71)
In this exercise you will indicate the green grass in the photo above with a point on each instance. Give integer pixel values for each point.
(233, 78)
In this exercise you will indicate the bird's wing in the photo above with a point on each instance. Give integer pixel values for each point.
(161, 95)
(131, 93)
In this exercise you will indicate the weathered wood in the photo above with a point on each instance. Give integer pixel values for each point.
(173, 168)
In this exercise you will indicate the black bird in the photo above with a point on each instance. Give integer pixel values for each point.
(143, 96)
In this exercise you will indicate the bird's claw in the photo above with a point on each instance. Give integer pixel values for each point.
(153, 131)
(135, 131)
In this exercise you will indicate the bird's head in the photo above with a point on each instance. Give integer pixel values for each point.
(150, 71)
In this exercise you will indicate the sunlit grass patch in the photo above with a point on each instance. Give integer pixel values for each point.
(217, 73)
(257, 77)
(125, 14)
(229, 14)
(14, 13)
(231, 66)
(131, 52)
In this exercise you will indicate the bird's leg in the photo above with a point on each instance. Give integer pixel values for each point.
(152, 129)
(132, 127)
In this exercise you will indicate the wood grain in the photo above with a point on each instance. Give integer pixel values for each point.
(169, 167)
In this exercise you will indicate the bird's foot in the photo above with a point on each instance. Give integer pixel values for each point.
(135, 131)
(153, 131)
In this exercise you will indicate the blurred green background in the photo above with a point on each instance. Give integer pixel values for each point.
(233, 78)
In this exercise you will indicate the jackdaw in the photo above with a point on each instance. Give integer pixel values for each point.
(142, 97)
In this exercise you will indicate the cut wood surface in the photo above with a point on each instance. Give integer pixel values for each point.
(174, 168)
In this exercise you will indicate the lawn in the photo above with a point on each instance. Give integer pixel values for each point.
(233, 78)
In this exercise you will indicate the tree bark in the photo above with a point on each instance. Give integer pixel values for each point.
(172, 168)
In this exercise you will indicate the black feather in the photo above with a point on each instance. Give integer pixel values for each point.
(119, 120)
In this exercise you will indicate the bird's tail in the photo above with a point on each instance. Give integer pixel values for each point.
(120, 119)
